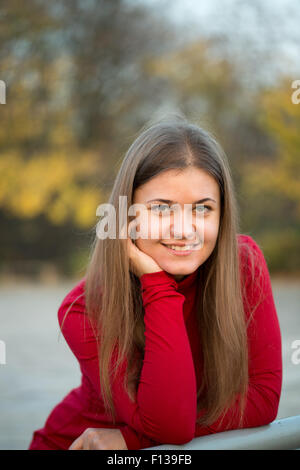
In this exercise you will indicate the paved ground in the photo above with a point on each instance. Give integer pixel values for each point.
(40, 369)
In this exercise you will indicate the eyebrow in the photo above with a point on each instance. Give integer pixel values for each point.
(168, 201)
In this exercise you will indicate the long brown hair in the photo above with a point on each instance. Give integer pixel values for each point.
(112, 292)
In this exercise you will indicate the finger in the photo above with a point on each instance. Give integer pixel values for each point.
(96, 444)
(77, 444)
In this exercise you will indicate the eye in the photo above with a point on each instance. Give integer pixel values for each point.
(201, 206)
(164, 208)
(158, 208)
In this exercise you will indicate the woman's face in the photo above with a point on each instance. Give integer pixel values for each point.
(180, 187)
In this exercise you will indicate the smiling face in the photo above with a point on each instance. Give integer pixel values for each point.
(188, 186)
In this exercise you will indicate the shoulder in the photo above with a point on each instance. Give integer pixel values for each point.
(78, 330)
(253, 264)
(249, 250)
(246, 243)
(74, 301)
(255, 276)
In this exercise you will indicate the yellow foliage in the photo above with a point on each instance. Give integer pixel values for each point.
(85, 211)
(280, 117)
(49, 184)
(53, 179)
(10, 168)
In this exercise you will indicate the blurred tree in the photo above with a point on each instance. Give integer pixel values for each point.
(209, 90)
(281, 119)
(72, 71)
(51, 177)
(260, 134)
(273, 185)
(83, 76)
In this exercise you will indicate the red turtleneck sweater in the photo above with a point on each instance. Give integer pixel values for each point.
(165, 410)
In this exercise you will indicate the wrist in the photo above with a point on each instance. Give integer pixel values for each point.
(150, 271)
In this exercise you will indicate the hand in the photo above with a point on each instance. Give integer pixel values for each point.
(100, 439)
(140, 262)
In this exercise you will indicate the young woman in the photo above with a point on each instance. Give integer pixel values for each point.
(172, 344)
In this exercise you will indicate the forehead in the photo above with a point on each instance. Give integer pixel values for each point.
(188, 185)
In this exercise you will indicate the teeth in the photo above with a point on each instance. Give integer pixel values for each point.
(181, 248)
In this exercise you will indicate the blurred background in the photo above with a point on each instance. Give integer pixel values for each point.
(81, 79)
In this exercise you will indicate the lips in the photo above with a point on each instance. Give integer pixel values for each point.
(180, 251)
(179, 244)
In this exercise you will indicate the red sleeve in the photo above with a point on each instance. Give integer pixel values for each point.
(161, 413)
(265, 356)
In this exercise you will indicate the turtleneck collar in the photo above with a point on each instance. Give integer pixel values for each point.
(187, 281)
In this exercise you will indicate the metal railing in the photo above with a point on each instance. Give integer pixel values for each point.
(280, 434)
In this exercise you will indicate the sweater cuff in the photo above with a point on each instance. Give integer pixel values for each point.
(135, 441)
(159, 278)
(131, 438)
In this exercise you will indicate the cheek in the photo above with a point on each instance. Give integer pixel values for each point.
(152, 227)
(142, 226)
(211, 230)
(155, 227)
(149, 231)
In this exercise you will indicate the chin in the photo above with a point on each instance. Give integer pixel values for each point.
(175, 269)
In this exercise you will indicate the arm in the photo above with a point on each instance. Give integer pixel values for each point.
(166, 400)
(265, 358)
(162, 413)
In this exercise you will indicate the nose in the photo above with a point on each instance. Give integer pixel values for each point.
(183, 228)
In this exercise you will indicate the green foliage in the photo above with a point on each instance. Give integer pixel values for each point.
(281, 249)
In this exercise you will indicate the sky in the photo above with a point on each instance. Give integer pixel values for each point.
(264, 35)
